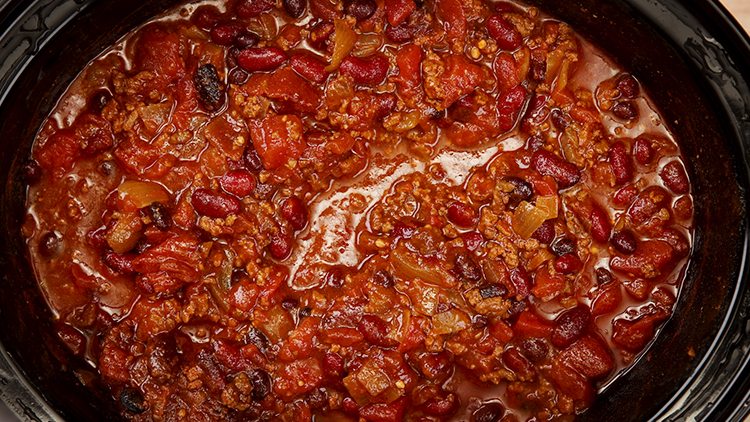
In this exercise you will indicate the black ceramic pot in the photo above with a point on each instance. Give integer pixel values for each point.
(691, 55)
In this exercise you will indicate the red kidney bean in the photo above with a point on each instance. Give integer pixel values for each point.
(247, 9)
(206, 18)
(570, 327)
(503, 32)
(240, 183)
(564, 246)
(335, 278)
(32, 172)
(404, 231)
(99, 100)
(490, 412)
(521, 281)
(620, 162)
(215, 205)
(466, 268)
(281, 246)
(603, 276)
(309, 67)
(624, 241)
(535, 143)
(383, 278)
(366, 72)
(535, 349)
(260, 59)
(461, 214)
(333, 365)
(295, 8)
(227, 33)
(361, 9)
(522, 190)
(261, 383)
(320, 34)
(545, 233)
(294, 212)
(560, 119)
(441, 406)
(625, 110)
(493, 290)
(238, 76)
(350, 406)
(538, 69)
(374, 330)
(49, 245)
(517, 363)
(601, 228)
(245, 40)
(568, 264)
(472, 240)
(565, 174)
(252, 159)
(122, 263)
(642, 150)
(401, 33)
(628, 87)
(132, 400)
(674, 177)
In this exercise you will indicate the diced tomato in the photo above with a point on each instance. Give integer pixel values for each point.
(460, 78)
(278, 139)
(286, 85)
(414, 337)
(502, 331)
(300, 344)
(409, 79)
(391, 412)
(647, 261)
(531, 326)
(451, 12)
(59, 152)
(158, 51)
(547, 286)
(607, 301)
(229, 355)
(588, 357)
(397, 11)
(571, 383)
(298, 377)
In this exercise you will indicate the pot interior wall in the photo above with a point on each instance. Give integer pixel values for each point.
(713, 154)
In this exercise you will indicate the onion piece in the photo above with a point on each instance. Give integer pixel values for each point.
(141, 194)
(527, 219)
(451, 321)
(124, 235)
(414, 266)
(548, 204)
(344, 39)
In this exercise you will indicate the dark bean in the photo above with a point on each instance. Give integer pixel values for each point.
(516, 307)
(401, 33)
(462, 214)
(317, 398)
(603, 276)
(227, 33)
(570, 326)
(209, 88)
(560, 119)
(252, 159)
(159, 215)
(383, 277)
(628, 87)
(546, 232)
(49, 245)
(261, 383)
(564, 246)
(206, 17)
(215, 205)
(674, 177)
(493, 290)
(535, 143)
(624, 242)
(522, 191)
(333, 365)
(295, 8)
(374, 330)
(566, 174)
(490, 412)
(538, 69)
(133, 400)
(122, 263)
(99, 100)
(320, 35)
(32, 172)
(505, 33)
(107, 168)
(479, 321)
(625, 110)
(350, 407)
(535, 349)
(247, 9)
(402, 230)
(304, 313)
(335, 278)
(257, 338)
(294, 211)
(289, 304)
(238, 274)
(361, 9)
(245, 40)
(522, 281)
(237, 76)
(466, 268)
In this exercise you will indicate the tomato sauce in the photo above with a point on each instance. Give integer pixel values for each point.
(371, 210)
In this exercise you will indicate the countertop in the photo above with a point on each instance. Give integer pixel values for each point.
(739, 8)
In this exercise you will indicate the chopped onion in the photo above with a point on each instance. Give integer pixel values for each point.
(367, 44)
(451, 321)
(548, 204)
(142, 194)
(344, 39)
(124, 235)
(414, 266)
(424, 298)
(527, 219)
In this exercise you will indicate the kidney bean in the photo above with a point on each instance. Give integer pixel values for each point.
(517, 363)
(294, 212)
(333, 365)
(564, 246)
(247, 9)
(227, 33)
(625, 110)
(132, 400)
(642, 150)
(620, 162)
(383, 278)
(560, 119)
(260, 59)
(309, 67)
(522, 190)
(320, 34)
(535, 349)
(403, 231)
(160, 216)
(503, 32)
(535, 143)
(441, 406)
(565, 174)
(490, 412)
(538, 69)
(472, 240)
(251, 159)
(295, 8)
(257, 338)
(334, 278)
(32, 172)
(281, 246)
(674, 177)
(261, 383)
(215, 205)
(209, 88)
(397, 11)
(570, 326)
(401, 33)
(600, 225)
(628, 86)
(568, 264)
(240, 183)
(99, 100)
(350, 406)
(238, 76)
(493, 290)
(545, 233)
(624, 241)
(521, 281)
(603, 276)
(50, 244)
(466, 268)
(361, 9)
(374, 330)
(366, 71)
(122, 263)
(461, 214)
(245, 40)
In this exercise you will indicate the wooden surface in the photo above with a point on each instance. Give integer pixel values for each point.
(741, 11)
